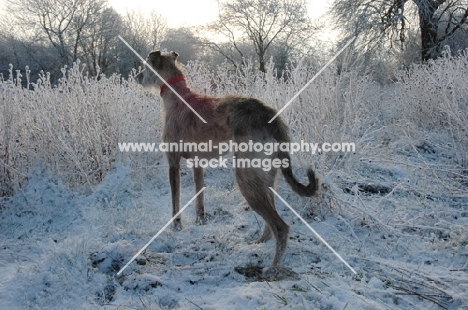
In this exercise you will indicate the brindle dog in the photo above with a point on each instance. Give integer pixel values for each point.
(235, 118)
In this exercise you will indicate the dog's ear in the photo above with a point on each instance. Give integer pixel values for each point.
(175, 55)
(155, 58)
(154, 55)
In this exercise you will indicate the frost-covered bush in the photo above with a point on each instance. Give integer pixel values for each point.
(434, 97)
(334, 108)
(73, 128)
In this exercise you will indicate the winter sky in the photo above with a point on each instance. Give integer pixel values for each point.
(192, 13)
(189, 12)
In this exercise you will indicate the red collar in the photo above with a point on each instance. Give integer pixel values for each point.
(171, 81)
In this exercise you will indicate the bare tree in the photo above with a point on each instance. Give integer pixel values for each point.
(61, 22)
(20, 50)
(259, 23)
(99, 42)
(145, 31)
(388, 21)
(184, 42)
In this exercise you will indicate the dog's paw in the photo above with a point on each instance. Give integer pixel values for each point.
(177, 224)
(279, 273)
(259, 240)
(201, 220)
(264, 237)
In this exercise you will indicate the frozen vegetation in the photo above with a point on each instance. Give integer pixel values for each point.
(74, 209)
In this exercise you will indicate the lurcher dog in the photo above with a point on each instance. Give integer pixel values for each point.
(235, 118)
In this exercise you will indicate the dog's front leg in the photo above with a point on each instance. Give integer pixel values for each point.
(174, 180)
(198, 178)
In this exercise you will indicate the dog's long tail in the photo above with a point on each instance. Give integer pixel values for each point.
(280, 133)
(301, 189)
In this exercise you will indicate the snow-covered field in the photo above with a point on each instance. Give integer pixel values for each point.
(396, 209)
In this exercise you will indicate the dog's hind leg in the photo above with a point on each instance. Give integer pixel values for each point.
(198, 178)
(174, 180)
(253, 184)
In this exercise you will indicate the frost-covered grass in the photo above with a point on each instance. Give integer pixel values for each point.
(78, 210)
(71, 128)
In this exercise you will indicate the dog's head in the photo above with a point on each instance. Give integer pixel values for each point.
(164, 63)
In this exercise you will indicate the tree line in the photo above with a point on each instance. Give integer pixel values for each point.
(429, 25)
(48, 34)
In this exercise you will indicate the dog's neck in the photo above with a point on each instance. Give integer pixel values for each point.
(171, 81)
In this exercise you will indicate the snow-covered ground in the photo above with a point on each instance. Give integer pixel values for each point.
(60, 249)
(396, 211)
